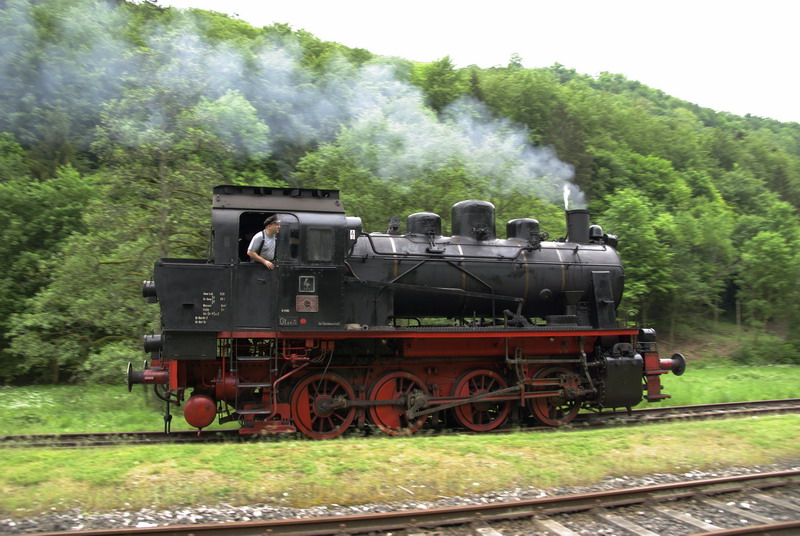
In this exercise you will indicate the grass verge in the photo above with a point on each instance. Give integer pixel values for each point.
(356, 470)
(47, 409)
(715, 384)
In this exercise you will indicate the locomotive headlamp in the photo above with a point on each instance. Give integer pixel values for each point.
(595, 233)
(647, 335)
(149, 289)
(153, 343)
(611, 239)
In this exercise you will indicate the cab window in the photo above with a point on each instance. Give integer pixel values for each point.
(288, 245)
(319, 245)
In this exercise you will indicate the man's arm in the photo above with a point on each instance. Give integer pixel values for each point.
(258, 258)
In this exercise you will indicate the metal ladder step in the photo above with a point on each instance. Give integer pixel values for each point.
(253, 411)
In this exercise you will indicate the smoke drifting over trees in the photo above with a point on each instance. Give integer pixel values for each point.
(91, 65)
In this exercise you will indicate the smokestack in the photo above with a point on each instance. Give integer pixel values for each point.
(578, 226)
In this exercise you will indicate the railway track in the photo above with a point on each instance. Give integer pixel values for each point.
(766, 503)
(702, 411)
(100, 439)
(637, 416)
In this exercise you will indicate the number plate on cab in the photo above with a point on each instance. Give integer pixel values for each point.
(306, 304)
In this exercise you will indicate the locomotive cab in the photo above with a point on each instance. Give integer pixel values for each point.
(305, 290)
(310, 272)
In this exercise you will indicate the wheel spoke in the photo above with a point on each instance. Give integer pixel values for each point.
(393, 420)
(480, 416)
(311, 411)
(555, 410)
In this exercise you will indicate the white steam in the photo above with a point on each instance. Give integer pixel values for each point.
(573, 197)
(383, 120)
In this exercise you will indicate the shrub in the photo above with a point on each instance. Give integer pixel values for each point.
(108, 365)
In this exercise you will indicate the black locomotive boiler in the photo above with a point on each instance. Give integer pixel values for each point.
(393, 330)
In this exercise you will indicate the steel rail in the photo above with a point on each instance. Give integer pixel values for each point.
(97, 439)
(460, 515)
(788, 528)
(721, 405)
(644, 415)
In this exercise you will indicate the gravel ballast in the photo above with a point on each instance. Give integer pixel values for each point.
(222, 513)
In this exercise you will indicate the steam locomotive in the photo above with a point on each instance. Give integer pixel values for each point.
(389, 330)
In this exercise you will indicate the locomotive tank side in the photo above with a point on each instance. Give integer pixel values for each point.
(476, 274)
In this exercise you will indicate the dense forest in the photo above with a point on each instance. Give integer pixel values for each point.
(118, 118)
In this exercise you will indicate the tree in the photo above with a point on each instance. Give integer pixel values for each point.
(703, 254)
(652, 176)
(645, 252)
(60, 59)
(767, 293)
(37, 220)
(12, 159)
(523, 95)
(170, 157)
(441, 83)
(154, 204)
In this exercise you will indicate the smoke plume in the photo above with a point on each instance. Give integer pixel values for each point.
(89, 63)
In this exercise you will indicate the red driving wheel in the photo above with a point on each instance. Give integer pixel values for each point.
(555, 410)
(403, 388)
(481, 416)
(314, 405)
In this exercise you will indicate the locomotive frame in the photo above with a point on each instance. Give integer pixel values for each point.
(390, 330)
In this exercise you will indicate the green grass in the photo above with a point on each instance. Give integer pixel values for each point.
(358, 470)
(725, 383)
(72, 409)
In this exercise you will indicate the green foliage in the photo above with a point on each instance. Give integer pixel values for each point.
(767, 350)
(227, 125)
(767, 294)
(60, 59)
(650, 175)
(526, 96)
(105, 365)
(12, 159)
(88, 303)
(643, 248)
(37, 218)
(440, 81)
(704, 254)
